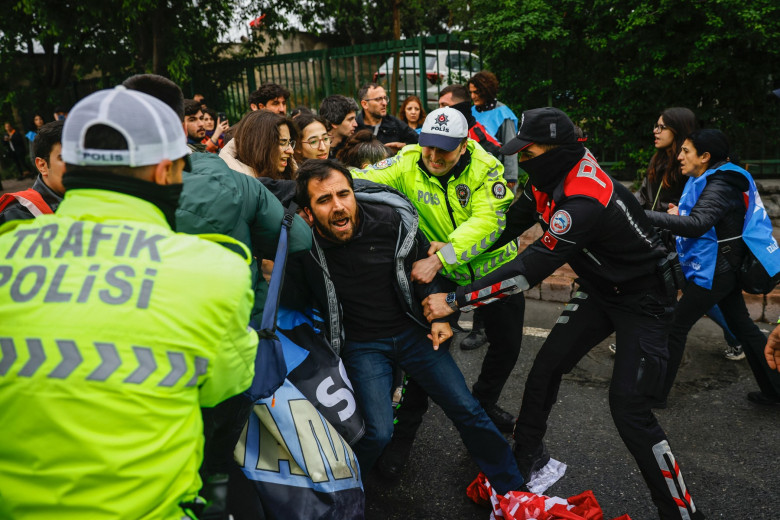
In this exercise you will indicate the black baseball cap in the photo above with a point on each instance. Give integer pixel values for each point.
(546, 125)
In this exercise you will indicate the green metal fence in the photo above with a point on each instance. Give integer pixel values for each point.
(425, 65)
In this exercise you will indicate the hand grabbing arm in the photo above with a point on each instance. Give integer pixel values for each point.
(423, 271)
(435, 306)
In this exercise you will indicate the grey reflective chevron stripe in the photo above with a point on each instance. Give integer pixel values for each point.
(110, 362)
(456, 276)
(9, 355)
(201, 367)
(146, 365)
(178, 369)
(37, 357)
(71, 358)
(477, 249)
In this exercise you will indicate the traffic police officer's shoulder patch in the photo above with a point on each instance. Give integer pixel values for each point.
(384, 163)
(560, 222)
(499, 190)
(463, 193)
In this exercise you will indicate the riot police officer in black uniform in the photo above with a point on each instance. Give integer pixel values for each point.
(626, 286)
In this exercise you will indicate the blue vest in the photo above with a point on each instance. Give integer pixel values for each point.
(698, 255)
(493, 119)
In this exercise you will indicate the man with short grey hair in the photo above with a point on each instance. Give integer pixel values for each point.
(394, 133)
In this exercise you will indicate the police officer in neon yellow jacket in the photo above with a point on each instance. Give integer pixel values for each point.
(115, 330)
(461, 196)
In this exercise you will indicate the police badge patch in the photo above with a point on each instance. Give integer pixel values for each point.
(384, 163)
(560, 223)
(463, 193)
(499, 190)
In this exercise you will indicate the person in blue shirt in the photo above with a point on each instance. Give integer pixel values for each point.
(496, 117)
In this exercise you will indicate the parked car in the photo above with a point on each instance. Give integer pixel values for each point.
(442, 68)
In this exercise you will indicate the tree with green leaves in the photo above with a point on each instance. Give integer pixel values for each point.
(46, 45)
(614, 65)
(351, 22)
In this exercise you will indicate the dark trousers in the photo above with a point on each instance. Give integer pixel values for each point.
(727, 295)
(504, 330)
(641, 325)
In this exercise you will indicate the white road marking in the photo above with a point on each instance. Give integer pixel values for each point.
(536, 332)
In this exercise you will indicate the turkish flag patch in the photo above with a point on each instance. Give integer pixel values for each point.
(549, 241)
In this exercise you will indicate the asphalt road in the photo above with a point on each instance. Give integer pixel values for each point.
(728, 448)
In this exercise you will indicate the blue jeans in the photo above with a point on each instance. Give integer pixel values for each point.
(716, 315)
(369, 365)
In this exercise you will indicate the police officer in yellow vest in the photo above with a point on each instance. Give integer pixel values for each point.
(460, 194)
(114, 329)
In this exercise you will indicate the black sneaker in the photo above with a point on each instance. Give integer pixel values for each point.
(529, 461)
(474, 340)
(504, 421)
(393, 460)
(763, 399)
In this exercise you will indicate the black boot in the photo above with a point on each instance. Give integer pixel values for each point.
(530, 460)
(504, 421)
(393, 460)
(477, 336)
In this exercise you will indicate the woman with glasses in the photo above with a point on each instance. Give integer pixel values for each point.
(263, 146)
(315, 140)
(713, 222)
(664, 184)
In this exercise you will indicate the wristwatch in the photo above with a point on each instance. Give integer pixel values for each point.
(452, 301)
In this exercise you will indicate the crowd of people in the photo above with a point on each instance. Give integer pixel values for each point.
(147, 243)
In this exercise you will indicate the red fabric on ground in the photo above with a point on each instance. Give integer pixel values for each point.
(518, 505)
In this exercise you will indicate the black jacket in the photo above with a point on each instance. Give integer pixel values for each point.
(590, 221)
(307, 282)
(721, 205)
(390, 130)
(648, 191)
